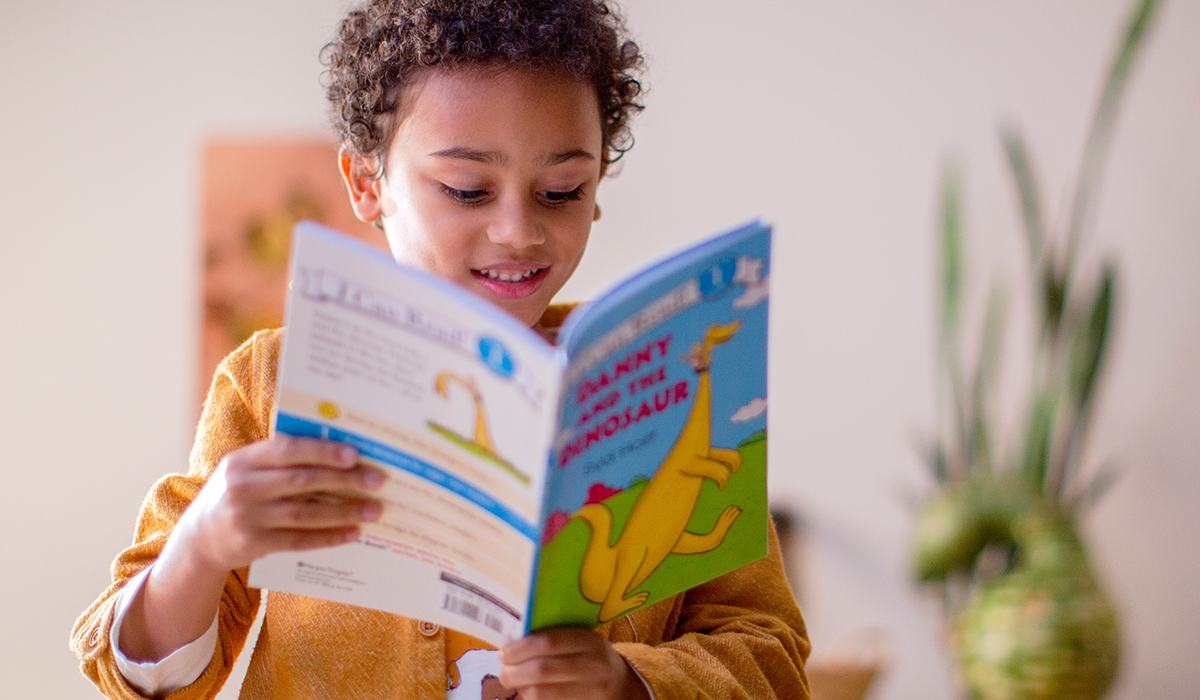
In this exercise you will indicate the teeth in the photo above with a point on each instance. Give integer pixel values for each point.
(510, 276)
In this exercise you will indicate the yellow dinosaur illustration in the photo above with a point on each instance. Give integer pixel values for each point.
(481, 443)
(657, 522)
(482, 437)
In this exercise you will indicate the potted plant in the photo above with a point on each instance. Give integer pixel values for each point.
(999, 539)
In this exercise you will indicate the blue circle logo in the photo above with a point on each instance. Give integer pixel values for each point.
(496, 356)
(718, 277)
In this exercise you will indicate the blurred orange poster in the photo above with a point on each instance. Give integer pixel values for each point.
(255, 190)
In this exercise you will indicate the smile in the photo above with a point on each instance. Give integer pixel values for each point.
(509, 276)
(511, 284)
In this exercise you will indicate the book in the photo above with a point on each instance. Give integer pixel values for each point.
(531, 484)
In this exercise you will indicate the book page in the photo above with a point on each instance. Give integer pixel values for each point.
(454, 400)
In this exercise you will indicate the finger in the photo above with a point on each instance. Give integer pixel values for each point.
(300, 540)
(319, 513)
(286, 482)
(568, 691)
(551, 670)
(287, 450)
(549, 642)
(561, 691)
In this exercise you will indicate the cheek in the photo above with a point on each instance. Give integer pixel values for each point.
(579, 243)
(411, 245)
(421, 253)
(423, 236)
(576, 239)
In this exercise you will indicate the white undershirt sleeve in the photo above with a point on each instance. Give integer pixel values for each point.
(180, 668)
(184, 665)
(642, 678)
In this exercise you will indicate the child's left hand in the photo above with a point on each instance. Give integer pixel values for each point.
(568, 663)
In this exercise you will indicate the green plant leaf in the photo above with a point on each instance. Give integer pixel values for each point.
(937, 463)
(933, 453)
(980, 453)
(1091, 341)
(1054, 296)
(1095, 488)
(979, 445)
(1027, 191)
(1038, 433)
(951, 248)
(950, 357)
(1100, 135)
(1083, 364)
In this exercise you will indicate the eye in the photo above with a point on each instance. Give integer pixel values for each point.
(554, 198)
(465, 196)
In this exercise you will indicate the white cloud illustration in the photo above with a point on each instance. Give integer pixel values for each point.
(750, 411)
(753, 295)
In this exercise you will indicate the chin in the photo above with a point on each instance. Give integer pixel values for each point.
(527, 316)
(525, 311)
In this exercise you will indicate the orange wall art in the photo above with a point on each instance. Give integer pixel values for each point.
(255, 190)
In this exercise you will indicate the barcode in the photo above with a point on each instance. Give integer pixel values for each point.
(472, 610)
(463, 607)
(465, 599)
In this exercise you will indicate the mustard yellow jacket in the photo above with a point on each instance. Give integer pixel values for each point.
(738, 636)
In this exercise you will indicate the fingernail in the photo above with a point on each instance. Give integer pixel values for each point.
(372, 510)
(373, 479)
(348, 454)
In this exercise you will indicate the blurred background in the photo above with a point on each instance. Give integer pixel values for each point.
(831, 120)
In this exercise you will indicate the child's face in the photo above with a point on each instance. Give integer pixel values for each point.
(490, 181)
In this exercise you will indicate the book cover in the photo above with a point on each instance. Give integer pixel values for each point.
(658, 473)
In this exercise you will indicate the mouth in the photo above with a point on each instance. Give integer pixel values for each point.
(510, 283)
(508, 276)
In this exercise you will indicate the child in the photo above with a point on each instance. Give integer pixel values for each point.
(475, 133)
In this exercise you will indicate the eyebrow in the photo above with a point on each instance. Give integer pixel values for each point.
(558, 158)
(474, 154)
(496, 158)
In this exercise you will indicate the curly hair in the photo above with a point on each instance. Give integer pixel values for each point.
(381, 46)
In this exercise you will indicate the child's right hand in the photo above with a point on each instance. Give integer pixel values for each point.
(285, 493)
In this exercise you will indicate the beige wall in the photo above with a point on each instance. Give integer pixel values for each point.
(829, 119)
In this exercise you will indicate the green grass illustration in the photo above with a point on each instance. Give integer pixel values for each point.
(476, 449)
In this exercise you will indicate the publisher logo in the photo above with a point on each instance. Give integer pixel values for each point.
(496, 356)
(717, 278)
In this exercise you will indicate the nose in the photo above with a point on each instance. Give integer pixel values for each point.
(516, 225)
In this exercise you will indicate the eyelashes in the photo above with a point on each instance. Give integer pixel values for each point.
(464, 196)
(551, 198)
(563, 197)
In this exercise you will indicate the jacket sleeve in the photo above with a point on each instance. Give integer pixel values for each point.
(737, 636)
(236, 412)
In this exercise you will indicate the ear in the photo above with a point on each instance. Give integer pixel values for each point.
(362, 184)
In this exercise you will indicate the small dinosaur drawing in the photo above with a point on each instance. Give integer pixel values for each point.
(657, 523)
(482, 437)
(480, 443)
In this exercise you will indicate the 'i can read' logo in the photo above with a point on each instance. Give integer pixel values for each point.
(496, 356)
(717, 278)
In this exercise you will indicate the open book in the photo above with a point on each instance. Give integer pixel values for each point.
(531, 485)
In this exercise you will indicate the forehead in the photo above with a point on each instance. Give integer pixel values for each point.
(505, 109)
